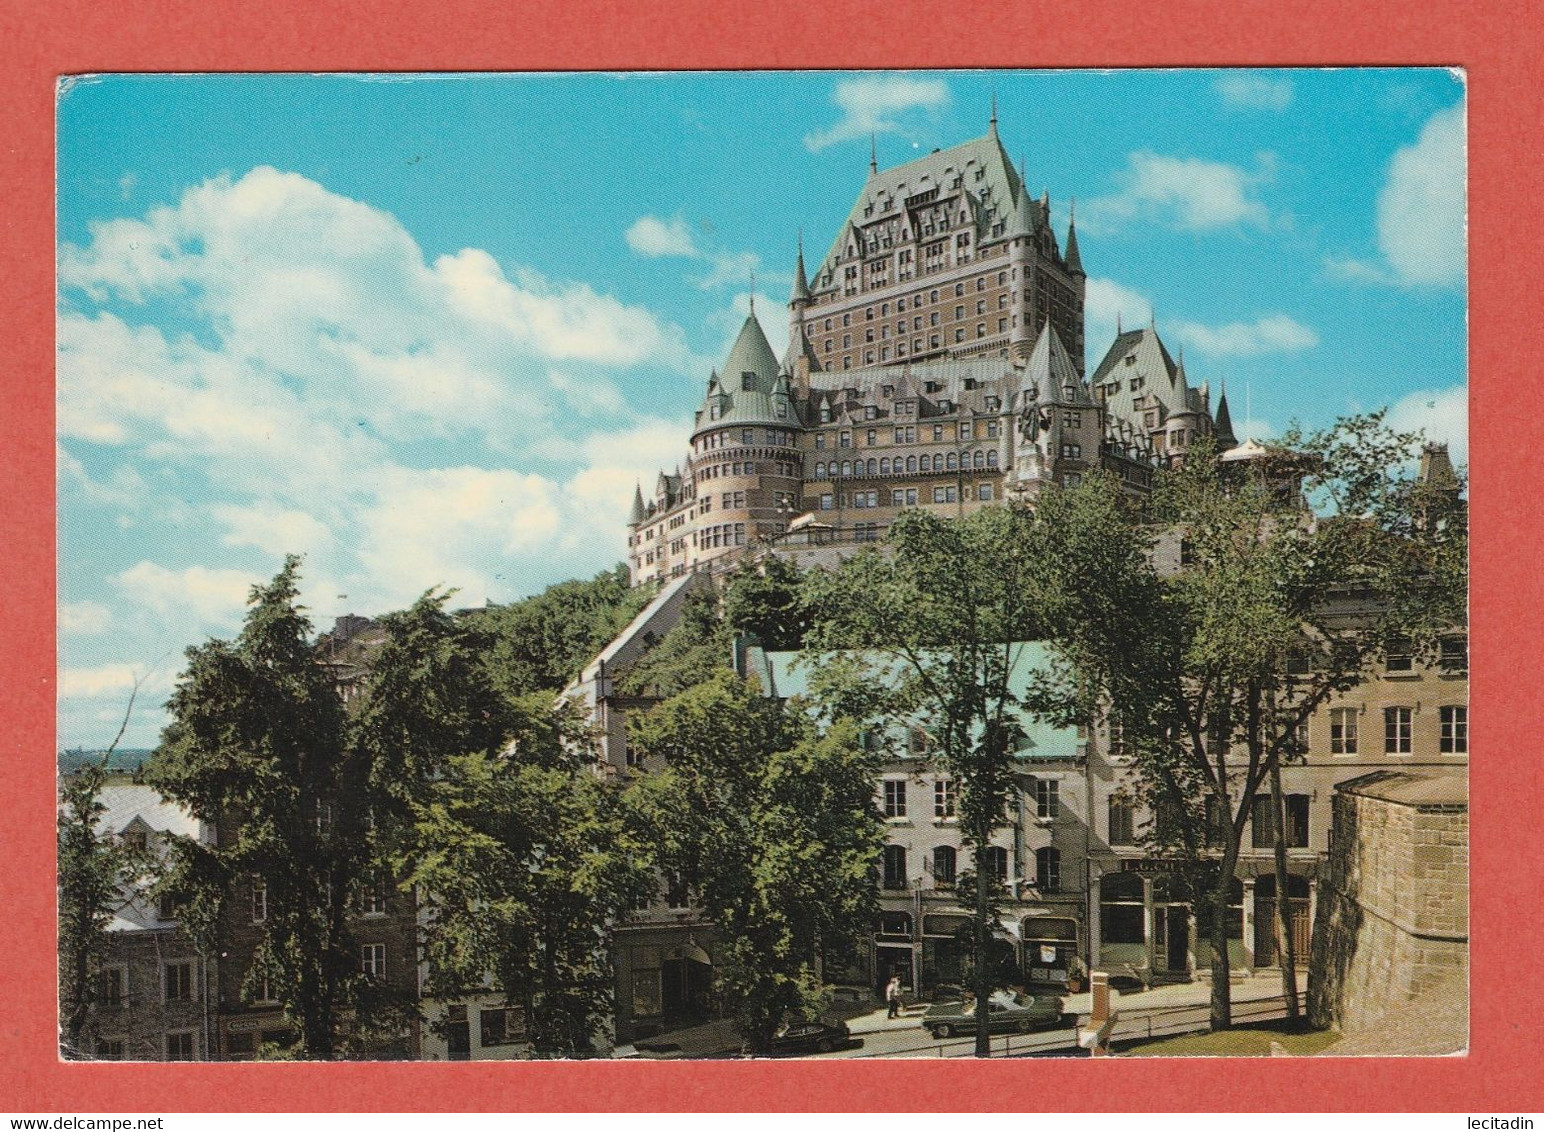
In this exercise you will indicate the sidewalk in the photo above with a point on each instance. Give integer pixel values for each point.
(719, 1039)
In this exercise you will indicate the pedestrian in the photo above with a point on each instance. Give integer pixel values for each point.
(893, 996)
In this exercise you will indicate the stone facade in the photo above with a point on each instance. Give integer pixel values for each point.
(1393, 922)
(936, 361)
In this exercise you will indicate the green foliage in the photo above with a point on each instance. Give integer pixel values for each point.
(258, 739)
(545, 641)
(525, 857)
(1212, 667)
(772, 823)
(767, 602)
(95, 871)
(941, 616)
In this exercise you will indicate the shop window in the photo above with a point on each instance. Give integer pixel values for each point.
(503, 1025)
(1120, 909)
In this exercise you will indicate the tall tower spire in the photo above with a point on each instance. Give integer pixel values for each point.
(873, 154)
(1073, 260)
(994, 113)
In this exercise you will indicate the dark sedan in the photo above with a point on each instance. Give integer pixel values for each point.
(1006, 1013)
(811, 1037)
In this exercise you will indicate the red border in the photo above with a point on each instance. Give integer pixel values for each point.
(1497, 41)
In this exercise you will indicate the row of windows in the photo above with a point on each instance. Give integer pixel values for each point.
(179, 1045)
(917, 300)
(1398, 730)
(724, 534)
(1047, 798)
(943, 864)
(776, 437)
(907, 434)
(906, 497)
(934, 342)
(883, 466)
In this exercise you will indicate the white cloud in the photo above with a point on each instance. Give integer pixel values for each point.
(1272, 334)
(1251, 91)
(1183, 192)
(1421, 212)
(84, 618)
(216, 597)
(651, 236)
(1441, 414)
(273, 529)
(730, 268)
(870, 105)
(1421, 208)
(104, 681)
(1107, 303)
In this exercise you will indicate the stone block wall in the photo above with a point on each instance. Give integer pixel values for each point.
(1392, 922)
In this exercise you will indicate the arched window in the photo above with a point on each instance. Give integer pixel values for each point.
(1048, 869)
(873, 467)
(944, 862)
(952, 465)
(979, 459)
(895, 866)
(994, 859)
(991, 458)
(938, 462)
(911, 463)
(846, 467)
(884, 465)
(820, 469)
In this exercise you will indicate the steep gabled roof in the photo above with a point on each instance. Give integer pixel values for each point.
(995, 197)
(1049, 367)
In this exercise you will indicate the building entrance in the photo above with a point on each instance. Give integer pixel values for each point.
(686, 983)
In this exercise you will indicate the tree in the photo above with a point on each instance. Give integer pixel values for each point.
(771, 821)
(944, 611)
(258, 743)
(1214, 668)
(545, 641)
(95, 874)
(525, 858)
(766, 600)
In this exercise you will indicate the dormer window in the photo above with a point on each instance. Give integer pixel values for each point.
(747, 381)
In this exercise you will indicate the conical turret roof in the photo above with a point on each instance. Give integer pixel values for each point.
(638, 514)
(752, 390)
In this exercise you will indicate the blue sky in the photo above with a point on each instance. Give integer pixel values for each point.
(430, 331)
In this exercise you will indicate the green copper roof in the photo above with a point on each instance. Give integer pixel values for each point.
(751, 390)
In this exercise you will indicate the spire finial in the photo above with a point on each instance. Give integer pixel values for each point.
(1118, 330)
(753, 292)
(994, 112)
(873, 154)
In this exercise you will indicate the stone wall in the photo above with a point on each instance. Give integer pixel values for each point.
(1392, 923)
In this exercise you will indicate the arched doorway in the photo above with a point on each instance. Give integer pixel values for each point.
(1265, 919)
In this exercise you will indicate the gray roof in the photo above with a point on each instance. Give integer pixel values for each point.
(1163, 384)
(1049, 368)
(998, 196)
(1441, 788)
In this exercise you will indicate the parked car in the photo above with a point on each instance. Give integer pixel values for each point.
(1006, 1013)
(821, 1036)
